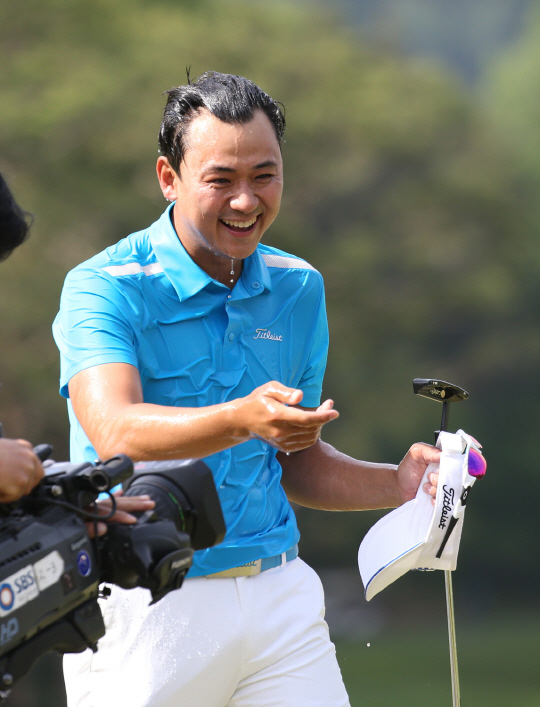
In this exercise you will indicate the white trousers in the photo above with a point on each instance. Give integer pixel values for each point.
(256, 641)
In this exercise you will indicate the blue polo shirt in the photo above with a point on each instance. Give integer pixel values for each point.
(196, 343)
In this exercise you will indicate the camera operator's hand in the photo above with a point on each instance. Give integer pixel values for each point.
(20, 469)
(124, 504)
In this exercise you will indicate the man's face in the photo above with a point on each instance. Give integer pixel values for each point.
(229, 188)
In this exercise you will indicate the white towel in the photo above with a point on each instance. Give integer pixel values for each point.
(411, 536)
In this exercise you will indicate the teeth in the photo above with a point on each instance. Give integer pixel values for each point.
(240, 224)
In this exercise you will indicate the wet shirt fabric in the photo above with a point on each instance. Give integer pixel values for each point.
(196, 343)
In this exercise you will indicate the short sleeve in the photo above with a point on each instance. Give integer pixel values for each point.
(312, 378)
(92, 326)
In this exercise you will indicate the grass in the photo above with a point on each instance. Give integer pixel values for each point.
(498, 667)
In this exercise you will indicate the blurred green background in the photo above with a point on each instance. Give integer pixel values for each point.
(412, 162)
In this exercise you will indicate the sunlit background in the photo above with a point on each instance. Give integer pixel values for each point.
(412, 172)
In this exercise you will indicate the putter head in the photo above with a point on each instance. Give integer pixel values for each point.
(438, 390)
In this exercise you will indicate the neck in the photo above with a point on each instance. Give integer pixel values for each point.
(229, 273)
(220, 267)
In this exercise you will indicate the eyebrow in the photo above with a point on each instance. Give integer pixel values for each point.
(262, 165)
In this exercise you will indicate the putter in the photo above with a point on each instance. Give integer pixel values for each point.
(446, 393)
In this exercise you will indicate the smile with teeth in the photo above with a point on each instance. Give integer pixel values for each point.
(240, 225)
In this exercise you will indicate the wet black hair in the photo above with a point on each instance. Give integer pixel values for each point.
(232, 99)
(14, 222)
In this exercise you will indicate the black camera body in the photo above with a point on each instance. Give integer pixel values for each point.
(50, 569)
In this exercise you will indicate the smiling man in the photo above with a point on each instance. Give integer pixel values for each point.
(192, 339)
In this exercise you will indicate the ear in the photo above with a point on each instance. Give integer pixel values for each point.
(167, 178)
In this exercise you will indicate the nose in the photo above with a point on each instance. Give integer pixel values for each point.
(245, 200)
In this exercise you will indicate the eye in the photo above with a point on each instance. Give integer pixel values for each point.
(220, 181)
(263, 177)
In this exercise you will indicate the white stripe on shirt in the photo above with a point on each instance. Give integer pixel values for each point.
(280, 261)
(133, 269)
(272, 261)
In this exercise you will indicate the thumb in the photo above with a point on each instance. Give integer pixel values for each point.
(425, 453)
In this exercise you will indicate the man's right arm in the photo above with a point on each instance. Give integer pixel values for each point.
(20, 469)
(108, 402)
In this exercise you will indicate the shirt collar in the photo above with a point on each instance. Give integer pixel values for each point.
(188, 278)
(255, 277)
(185, 275)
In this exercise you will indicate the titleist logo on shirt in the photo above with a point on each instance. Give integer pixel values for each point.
(267, 334)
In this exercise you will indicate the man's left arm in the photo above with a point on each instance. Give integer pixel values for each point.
(324, 478)
(320, 476)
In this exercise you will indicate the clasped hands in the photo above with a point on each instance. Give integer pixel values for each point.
(272, 413)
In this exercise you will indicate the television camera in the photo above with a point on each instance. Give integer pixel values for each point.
(51, 570)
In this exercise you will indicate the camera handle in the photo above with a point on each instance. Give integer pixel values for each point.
(77, 631)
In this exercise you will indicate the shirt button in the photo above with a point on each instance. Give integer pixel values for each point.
(255, 285)
(231, 336)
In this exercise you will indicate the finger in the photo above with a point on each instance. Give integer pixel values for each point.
(126, 503)
(288, 396)
(297, 443)
(34, 476)
(39, 471)
(268, 440)
(135, 503)
(123, 517)
(297, 446)
(308, 437)
(327, 405)
(101, 528)
(289, 443)
(104, 507)
(282, 431)
(285, 435)
(306, 419)
(433, 478)
(285, 431)
(429, 489)
(25, 443)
